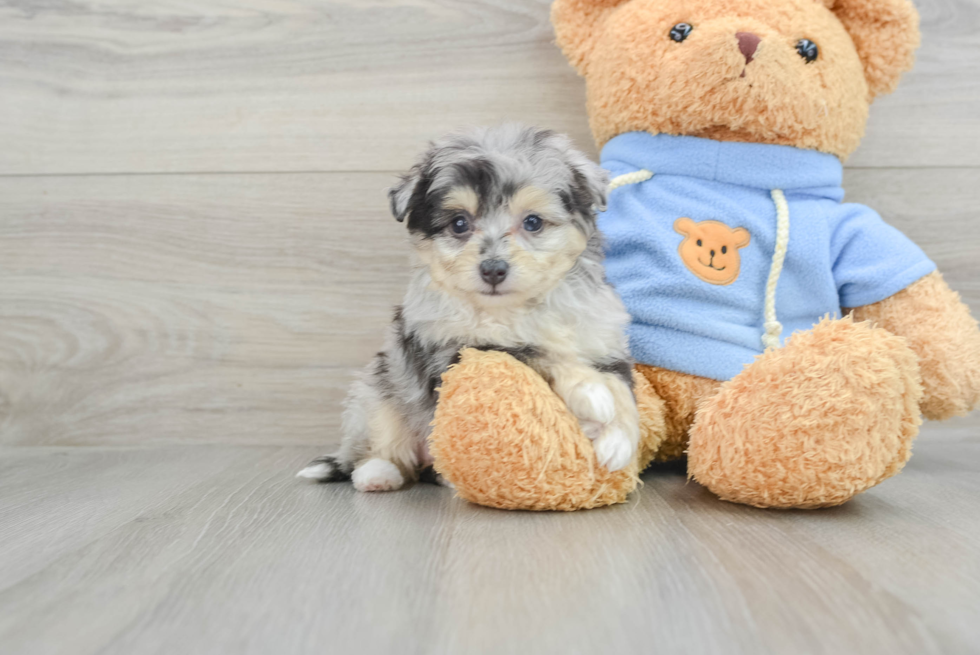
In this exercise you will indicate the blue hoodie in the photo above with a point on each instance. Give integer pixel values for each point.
(693, 314)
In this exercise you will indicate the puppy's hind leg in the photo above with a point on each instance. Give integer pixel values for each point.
(393, 454)
(361, 404)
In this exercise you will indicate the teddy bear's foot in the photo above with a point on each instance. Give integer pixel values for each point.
(812, 424)
(504, 439)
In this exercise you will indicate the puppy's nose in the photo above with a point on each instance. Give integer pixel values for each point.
(748, 43)
(493, 271)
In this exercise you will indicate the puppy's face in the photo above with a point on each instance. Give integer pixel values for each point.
(502, 248)
(500, 216)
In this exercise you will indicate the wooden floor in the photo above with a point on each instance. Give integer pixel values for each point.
(195, 251)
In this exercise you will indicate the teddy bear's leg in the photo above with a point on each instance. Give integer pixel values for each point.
(811, 424)
(681, 394)
(945, 337)
(504, 439)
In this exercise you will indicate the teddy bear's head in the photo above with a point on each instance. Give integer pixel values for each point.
(790, 72)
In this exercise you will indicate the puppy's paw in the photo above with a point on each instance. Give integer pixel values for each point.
(591, 429)
(614, 449)
(591, 402)
(377, 475)
(325, 469)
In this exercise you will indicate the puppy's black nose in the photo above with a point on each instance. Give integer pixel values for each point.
(493, 271)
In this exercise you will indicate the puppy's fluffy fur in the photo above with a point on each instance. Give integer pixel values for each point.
(507, 257)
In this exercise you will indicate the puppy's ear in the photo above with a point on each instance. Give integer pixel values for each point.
(885, 34)
(400, 195)
(591, 181)
(578, 23)
(589, 185)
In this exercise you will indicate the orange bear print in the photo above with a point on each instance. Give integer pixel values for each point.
(710, 249)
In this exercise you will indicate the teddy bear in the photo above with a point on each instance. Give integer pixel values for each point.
(787, 343)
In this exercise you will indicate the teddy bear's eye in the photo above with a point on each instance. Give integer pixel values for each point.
(724, 249)
(699, 243)
(808, 50)
(680, 31)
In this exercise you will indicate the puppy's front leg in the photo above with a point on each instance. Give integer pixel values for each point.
(605, 408)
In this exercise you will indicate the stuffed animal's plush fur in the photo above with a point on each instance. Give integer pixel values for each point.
(807, 419)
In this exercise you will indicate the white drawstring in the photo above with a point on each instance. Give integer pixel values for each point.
(773, 328)
(635, 177)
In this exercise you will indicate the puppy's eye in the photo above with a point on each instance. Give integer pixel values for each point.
(699, 243)
(533, 223)
(724, 249)
(680, 31)
(808, 50)
(460, 225)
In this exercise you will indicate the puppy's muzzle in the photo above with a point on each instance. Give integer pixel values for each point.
(494, 271)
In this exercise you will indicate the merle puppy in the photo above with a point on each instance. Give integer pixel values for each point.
(506, 257)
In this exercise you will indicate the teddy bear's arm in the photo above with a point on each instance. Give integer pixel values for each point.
(941, 331)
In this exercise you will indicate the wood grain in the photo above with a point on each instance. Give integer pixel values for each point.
(219, 549)
(56, 501)
(297, 85)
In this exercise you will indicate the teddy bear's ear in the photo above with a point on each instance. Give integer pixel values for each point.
(886, 35)
(577, 24)
(684, 226)
(742, 237)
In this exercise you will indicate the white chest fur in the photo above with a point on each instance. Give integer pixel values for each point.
(581, 320)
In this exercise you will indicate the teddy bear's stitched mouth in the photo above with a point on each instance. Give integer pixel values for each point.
(712, 266)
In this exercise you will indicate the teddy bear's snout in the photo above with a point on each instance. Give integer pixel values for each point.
(748, 43)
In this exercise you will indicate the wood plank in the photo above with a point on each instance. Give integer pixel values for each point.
(311, 566)
(277, 85)
(55, 501)
(217, 308)
(251, 560)
(865, 570)
(232, 308)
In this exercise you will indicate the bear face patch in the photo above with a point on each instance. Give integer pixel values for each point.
(710, 249)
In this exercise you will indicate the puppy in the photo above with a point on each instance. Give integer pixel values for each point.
(506, 257)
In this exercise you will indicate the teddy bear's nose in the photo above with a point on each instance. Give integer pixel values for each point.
(748, 43)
